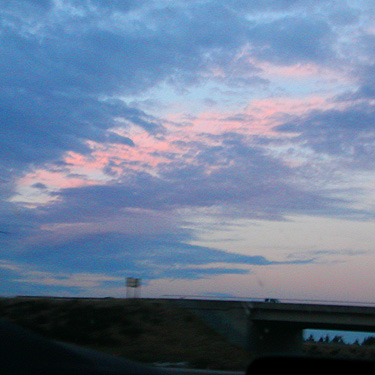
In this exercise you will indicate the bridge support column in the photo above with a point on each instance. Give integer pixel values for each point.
(269, 337)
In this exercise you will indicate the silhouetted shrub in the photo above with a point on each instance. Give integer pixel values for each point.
(369, 341)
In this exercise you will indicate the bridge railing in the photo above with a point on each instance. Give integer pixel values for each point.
(262, 299)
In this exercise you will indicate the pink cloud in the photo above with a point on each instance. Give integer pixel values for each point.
(295, 71)
(258, 118)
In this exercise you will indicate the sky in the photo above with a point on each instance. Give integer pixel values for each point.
(220, 149)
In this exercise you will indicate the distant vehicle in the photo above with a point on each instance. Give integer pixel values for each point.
(271, 300)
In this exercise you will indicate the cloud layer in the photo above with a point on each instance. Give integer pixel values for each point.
(120, 122)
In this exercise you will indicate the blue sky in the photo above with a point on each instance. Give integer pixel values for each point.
(205, 147)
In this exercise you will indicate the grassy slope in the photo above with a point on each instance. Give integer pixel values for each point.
(143, 330)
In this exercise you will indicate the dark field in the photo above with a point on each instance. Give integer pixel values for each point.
(149, 331)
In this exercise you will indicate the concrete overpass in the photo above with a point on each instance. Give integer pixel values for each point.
(265, 327)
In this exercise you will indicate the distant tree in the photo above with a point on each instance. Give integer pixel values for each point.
(368, 341)
(338, 340)
(325, 339)
(310, 338)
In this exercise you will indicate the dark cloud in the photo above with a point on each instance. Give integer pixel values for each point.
(365, 74)
(148, 257)
(237, 179)
(254, 6)
(348, 133)
(54, 81)
(27, 6)
(293, 40)
(344, 16)
(114, 5)
(39, 185)
(56, 71)
(40, 129)
(119, 139)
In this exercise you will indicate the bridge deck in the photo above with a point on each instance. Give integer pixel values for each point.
(305, 316)
(354, 318)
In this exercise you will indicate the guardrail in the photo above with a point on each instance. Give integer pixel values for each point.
(216, 298)
(262, 299)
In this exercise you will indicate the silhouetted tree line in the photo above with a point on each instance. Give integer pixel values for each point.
(368, 341)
